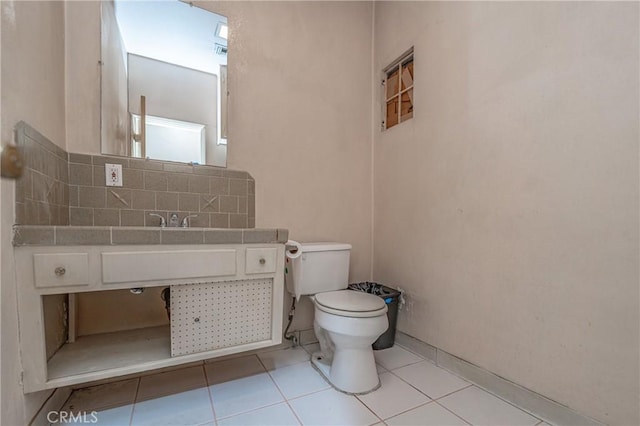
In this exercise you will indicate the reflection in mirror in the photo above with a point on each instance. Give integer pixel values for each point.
(164, 73)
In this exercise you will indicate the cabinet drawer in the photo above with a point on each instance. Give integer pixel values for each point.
(59, 270)
(121, 267)
(261, 260)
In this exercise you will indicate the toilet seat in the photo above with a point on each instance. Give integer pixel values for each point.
(349, 303)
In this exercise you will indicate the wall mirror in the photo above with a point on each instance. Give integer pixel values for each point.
(164, 78)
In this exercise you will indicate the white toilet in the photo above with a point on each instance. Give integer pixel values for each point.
(346, 322)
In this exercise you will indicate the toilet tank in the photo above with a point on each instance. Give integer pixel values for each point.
(321, 267)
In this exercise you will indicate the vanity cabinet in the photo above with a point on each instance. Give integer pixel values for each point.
(225, 299)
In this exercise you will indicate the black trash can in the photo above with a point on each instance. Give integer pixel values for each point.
(391, 298)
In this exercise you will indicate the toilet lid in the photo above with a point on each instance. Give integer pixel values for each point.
(350, 303)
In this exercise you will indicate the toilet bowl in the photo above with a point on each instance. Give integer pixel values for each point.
(346, 322)
(345, 357)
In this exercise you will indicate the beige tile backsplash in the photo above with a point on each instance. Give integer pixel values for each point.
(42, 193)
(69, 189)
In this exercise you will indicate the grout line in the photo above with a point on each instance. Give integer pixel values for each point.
(455, 414)
(402, 366)
(313, 393)
(403, 380)
(293, 411)
(410, 350)
(410, 409)
(135, 398)
(206, 379)
(252, 410)
(532, 414)
(497, 396)
(451, 393)
(286, 400)
(367, 407)
(420, 391)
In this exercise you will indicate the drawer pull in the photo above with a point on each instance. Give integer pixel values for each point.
(60, 271)
(260, 260)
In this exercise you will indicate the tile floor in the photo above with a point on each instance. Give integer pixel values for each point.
(280, 387)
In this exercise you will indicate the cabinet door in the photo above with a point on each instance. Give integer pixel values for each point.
(211, 316)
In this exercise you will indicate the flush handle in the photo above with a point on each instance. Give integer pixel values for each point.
(60, 271)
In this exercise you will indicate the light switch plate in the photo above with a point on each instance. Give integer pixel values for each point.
(113, 174)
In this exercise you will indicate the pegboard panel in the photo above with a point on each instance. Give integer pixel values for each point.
(209, 316)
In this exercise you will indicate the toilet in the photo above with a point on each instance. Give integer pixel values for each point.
(346, 322)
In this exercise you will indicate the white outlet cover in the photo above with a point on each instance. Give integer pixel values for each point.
(113, 174)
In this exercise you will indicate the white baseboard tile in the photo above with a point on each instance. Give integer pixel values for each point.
(418, 346)
(528, 400)
(53, 403)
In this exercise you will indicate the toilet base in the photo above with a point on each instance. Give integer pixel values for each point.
(322, 367)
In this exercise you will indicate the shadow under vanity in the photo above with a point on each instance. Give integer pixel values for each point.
(80, 321)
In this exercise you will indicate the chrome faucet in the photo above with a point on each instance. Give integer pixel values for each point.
(173, 220)
(163, 221)
(185, 220)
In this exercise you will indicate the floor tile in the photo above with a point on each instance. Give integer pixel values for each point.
(430, 414)
(395, 357)
(171, 382)
(118, 416)
(245, 394)
(380, 369)
(330, 407)
(101, 397)
(430, 379)
(393, 397)
(312, 347)
(274, 415)
(283, 357)
(298, 379)
(479, 407)
(185, 408)
(231, 369)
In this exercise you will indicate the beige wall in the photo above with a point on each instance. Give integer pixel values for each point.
(82, 70)
(300, 116)
(300, 73)
(300, 119)
(32, 40)
(114, 130)
(508, 207)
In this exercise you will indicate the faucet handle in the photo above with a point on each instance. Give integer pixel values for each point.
(185, 220)
(163, 221)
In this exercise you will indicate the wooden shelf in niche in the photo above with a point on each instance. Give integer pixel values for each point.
(398, 91)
